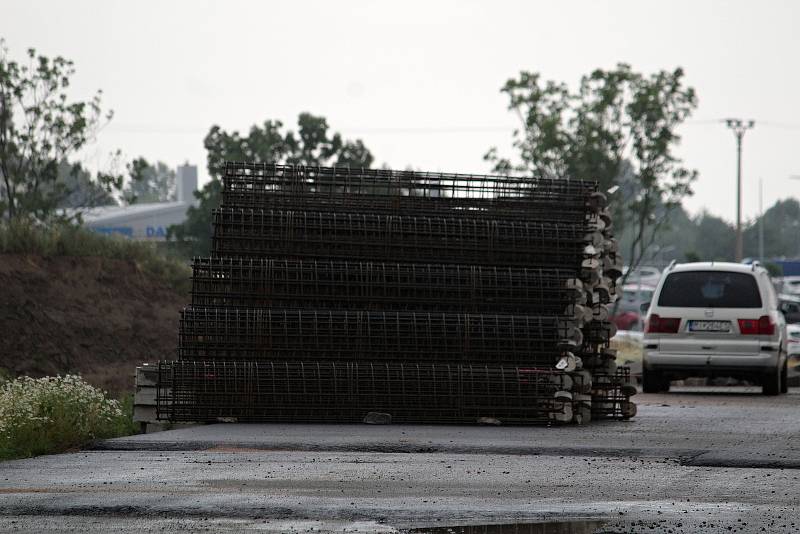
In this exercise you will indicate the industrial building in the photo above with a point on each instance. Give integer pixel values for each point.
(147, 221)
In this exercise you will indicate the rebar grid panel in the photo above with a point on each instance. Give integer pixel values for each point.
(405, 205)
(253, 334)
(274, 233)
(313, 391)
(248, 282)
(609, 399)
(255, 185)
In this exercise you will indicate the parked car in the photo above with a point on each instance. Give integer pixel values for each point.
(790, 285)
(715, 319)
(642, 275)
(790, 306)
(628, 315)
(793, 340)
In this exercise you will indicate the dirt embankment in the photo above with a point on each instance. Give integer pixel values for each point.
(95, 316)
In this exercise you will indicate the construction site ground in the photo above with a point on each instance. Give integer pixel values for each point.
(97, 317)
(694, 460)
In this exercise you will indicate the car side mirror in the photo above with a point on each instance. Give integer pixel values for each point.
(644, 307)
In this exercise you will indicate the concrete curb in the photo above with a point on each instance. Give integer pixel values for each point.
(121, 444)
(686, 457)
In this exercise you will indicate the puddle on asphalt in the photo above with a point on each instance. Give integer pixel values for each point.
(550, 527)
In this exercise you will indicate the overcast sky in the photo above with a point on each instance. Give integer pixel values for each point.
(419, 81)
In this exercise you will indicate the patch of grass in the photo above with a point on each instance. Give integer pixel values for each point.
(628, 349)
(63, 239)
(125, 425)
(56, 414)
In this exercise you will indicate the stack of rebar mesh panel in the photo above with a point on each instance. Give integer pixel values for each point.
(334, 293)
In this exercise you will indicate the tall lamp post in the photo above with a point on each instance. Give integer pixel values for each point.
(796, 177)
(761, 220)
(739, 127)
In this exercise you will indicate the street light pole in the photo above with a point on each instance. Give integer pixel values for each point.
(760, 221)
(739, 127)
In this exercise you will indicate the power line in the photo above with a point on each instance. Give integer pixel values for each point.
(144, 129)
(704, 121)
(771, 124)
(183, 130)
(784, 125)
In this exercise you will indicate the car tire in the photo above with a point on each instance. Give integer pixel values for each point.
(785, 378)
(771, 384)
(665, 384)
(652, 381)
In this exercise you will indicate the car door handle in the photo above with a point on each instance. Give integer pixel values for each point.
(707, 347)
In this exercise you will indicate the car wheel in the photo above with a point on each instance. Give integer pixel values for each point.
(785, 378)
(652, 381)
(772, 382)
(665, 384)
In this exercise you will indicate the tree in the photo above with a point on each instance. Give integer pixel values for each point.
(619, 128)
(149, 183)
(81, 190)
(313, 144)
(714, 237)
(41, 127)
(781, 231)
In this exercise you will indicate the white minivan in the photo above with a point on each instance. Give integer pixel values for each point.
(715, 319)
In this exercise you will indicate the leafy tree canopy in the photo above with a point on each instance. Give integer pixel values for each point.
(618, 128)
(311, 144)
(81, 191)
(149, 182)
(707, 237)
(41, 127)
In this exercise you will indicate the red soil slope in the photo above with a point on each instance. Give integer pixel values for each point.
(94, 316)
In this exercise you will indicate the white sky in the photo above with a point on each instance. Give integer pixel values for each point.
(419, 81)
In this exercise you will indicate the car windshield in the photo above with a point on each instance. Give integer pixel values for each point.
(632, 300)
(644, 295)
(710, 289)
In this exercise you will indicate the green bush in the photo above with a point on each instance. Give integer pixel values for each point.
(125, 425)
(63, 239)
(54, 414)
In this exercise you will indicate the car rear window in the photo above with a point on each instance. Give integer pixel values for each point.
(710, 289)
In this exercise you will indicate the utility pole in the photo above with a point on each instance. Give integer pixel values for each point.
(739, 127)
(760, 221)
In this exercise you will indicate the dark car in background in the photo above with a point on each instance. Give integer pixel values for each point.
(789, 305)
(629, 315)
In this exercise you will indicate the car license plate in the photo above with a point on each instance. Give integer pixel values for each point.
(709, 326)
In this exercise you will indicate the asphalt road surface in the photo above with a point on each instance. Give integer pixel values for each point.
(698, 460)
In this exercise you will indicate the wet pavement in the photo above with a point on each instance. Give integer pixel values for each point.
(470, 479)
(550, 527)
(714, 426)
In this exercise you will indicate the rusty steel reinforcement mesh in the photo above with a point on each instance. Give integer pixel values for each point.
(409, 193)
(353, 285)
(346, 391)
(261, 334)
(376, 237)
(332, 293)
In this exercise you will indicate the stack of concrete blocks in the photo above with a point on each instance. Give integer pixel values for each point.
(593, 386)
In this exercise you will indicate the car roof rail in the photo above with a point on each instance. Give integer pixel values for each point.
(671, 264)
(755, 264)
